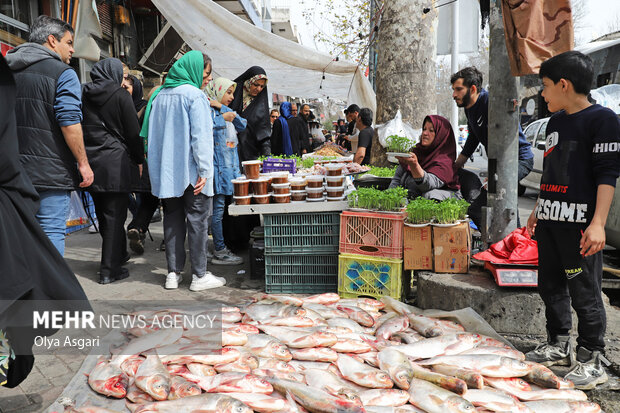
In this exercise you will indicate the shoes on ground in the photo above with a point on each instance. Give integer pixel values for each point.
(172, 280)
(136, 240)
(107, 279)
(557, 351)
(588, 371)
(226, 257)
(205, 282)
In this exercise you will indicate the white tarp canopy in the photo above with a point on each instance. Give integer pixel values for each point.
(235, 45)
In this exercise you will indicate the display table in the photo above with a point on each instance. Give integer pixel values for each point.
(290, 208)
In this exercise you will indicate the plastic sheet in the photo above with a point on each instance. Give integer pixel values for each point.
(396, 126)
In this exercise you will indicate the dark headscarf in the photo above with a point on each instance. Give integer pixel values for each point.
(107, 77)
(439, 157)
(256, 113)
(138, 93)
(286, 113)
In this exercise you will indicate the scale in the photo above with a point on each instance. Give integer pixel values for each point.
(513, 275)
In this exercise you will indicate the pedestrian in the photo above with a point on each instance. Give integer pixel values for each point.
(363, 123)
(294, 109)
(252, 103)
(225, 162)
(580, 169)
(429, 171)
(179, 132)
(34, 275)
(468, 93)
(273, 116)
(304, 115)
(147, 204)
(349, 140)
(112, 141)
(48, 121)
(288, 133)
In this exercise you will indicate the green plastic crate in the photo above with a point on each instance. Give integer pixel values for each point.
(305, 233)
(362, 275)
(303, 274)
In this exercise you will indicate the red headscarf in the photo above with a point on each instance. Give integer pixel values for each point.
(438, 158)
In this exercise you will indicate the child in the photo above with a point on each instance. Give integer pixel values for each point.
(580, 169)
(225, 162)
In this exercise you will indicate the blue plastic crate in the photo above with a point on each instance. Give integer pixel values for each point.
(276, 165)
(316, 233)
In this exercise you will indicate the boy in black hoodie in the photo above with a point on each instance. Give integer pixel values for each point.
(581, 165)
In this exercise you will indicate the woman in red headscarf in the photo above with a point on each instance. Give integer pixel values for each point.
(429, 170)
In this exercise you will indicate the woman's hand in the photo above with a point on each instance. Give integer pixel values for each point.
(215, 104)
(229, 116)
(411, 162)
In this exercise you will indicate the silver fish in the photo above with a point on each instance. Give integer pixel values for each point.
(362, 374)
(153, 378)
(434, 399)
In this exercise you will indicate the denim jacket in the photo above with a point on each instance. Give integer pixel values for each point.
(225, 159)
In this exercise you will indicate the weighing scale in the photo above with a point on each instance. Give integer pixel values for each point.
(513, 275)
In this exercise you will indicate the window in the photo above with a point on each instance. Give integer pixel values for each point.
(541, 136)
(15, 19)
(530, 132)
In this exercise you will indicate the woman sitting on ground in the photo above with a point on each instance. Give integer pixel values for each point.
(429, 170)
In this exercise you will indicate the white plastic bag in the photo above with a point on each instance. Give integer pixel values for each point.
(396, 126)
(608, 96)
(231, 135)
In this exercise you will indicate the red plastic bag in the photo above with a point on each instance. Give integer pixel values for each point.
(516, 248)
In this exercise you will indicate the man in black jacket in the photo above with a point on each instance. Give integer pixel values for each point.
(304, 115)
(49, 119)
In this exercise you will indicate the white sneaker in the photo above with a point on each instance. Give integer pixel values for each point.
(172, 280)
(205, 282)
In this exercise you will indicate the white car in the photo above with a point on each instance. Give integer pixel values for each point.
(535, 133)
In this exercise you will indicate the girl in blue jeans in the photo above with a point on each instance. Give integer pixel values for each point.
(225, 162)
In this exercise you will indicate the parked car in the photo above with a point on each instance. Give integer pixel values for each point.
(535, 133)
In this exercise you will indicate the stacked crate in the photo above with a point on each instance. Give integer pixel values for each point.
(371, 255)
(301, 252)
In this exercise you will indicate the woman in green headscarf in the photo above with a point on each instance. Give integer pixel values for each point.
(179, 128)
(226, 124)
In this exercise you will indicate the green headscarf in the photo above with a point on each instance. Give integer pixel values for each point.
(217, 88)
(185, 71)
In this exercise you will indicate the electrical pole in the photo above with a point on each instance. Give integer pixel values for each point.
(406, 68)
(500, 217)
(454, 65)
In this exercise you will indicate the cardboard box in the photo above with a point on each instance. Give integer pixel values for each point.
(418, 249)
(452, 248)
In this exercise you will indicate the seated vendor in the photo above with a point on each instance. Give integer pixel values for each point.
(429, 170)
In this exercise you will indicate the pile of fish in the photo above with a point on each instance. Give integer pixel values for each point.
(325, 354)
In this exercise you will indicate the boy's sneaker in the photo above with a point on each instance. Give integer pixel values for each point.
(226, 257)
(136, 240)
(589, 371)
(172, 280)
(556, 352)
(206, 281)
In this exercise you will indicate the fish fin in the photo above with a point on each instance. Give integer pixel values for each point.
(435, 399)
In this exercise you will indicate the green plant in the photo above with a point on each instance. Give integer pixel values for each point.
(382, 172)
(396, 143)
(421, 210)
(306, 163)
(392, 199)
(451, 210)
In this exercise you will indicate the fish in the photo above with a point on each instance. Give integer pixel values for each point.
(369, 357)
(271, 363)
(297, 338)
(471, 378)
(231, 317)
(235, 366)
(393, 325)
(487, 341)
(280, 298)
(203, 403)
(497, 401)
(108, 379)
(262, 311)
(499, 351)
(356, 314)
(408, 336)
(231, 383)
(200, 369)
(315, 354)
(241, 328)
(136, 395)
(262, 345)
(261, 403)
(69, 405)
(314, 399)
(345, 322)
(486, 364)
(362, 374)
(563, 406)
(197, 353)
(453, 384)
(295, 321)
(279, 374)
(325, 311)
(153, 378)
(146, 342)
(227, 337)
(350, 345)
(407, 408)
(521, 389)
(426, 326)
(434, 399)
(397, 366)
(323, 299)
(367, 304)
(448, 344)
(302, 366)
(544, 377)
(384, 397)
(333, 384)
(180, 388)
(130, 365)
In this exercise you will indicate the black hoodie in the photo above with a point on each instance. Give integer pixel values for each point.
(111, 129)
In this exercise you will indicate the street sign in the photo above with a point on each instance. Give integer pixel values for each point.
(513, 275)
(469, 27)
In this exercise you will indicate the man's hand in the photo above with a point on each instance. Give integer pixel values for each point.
(140, 169)
(199, 185)
(215, 104)
(87, 175)
(592, 240)
(229, 116)
(531, 224)
(460, 161)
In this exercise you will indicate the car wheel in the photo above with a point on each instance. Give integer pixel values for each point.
(521, 190)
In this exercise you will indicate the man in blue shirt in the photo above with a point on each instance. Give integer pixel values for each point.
(49, 117)
(468, 93)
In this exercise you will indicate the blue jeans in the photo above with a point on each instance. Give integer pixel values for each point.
(52, 216)
(217, 227)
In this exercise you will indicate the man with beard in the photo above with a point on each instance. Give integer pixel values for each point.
(468, 93)
(304, 115)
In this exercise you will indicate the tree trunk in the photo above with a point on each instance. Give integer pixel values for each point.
(406, 68)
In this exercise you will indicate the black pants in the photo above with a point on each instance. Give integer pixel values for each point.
(566, 278)
(146, 208)
(111, 209)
